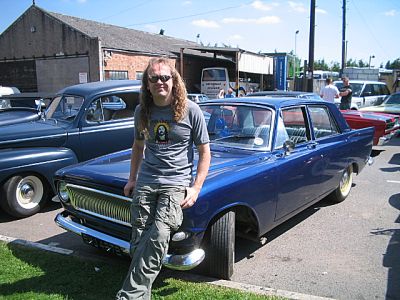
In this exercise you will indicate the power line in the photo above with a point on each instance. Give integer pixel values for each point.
(369, 28)
(125, 10)
(188, 16)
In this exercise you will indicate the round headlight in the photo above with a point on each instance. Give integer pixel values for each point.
(62, 191)
(180, 236)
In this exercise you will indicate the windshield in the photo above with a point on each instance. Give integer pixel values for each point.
(355, 87)
(393, 99)
(239, 126)
(64, 107)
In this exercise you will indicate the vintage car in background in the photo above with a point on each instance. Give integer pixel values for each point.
(391, 105)
(23, 107)
(386, 126)
(271, 159)
(82, 122)
(197, 97)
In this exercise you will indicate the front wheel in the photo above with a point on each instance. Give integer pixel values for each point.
(23, 195)
(345, 184)
(220, 247)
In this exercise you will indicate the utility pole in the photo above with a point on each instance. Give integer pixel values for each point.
(344, 50)
(311, 48)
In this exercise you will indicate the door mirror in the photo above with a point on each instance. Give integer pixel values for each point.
(288, 147)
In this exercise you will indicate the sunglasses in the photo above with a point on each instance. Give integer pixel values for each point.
(163, 78)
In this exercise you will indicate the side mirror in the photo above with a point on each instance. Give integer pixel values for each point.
(288, 147)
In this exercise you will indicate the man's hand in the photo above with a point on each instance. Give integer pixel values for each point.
(191, 197)
(129, 187)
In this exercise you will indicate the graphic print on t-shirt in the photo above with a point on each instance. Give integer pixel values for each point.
(161, 131)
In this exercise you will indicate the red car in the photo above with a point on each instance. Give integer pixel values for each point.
(386, 125)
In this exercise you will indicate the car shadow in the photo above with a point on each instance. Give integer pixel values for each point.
(245, 248)
(51, 206)
(391, 258)
(394, 160)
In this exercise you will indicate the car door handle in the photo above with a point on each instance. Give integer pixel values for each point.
(312, 145)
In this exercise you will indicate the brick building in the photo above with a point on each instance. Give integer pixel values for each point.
(46, 51)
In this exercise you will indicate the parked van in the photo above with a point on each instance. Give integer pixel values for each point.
(365, 93)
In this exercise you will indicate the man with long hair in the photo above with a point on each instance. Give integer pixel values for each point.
(167, 126)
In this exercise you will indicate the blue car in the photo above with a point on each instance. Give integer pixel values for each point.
(81, 122)
(271, 159)
(23, 107)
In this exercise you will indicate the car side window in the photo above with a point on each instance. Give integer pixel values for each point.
(368, 90)
(295, 124)
(383, 90)
(322, 122)
(112, 107)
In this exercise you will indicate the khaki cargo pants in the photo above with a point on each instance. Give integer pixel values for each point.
(155, 213)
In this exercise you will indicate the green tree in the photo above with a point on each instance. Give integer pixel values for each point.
(393, 65)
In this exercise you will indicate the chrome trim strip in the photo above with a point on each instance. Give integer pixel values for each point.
(181, 262)
(98, 192)
(34, 138)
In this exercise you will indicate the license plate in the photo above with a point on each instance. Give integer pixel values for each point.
(100, 244)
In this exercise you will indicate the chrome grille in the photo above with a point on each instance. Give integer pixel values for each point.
(101, 204)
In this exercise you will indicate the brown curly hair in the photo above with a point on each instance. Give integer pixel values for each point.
(179, 94)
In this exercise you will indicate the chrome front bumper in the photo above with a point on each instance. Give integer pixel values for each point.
(180, 262)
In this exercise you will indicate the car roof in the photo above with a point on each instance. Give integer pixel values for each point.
(275, 102)
(280, 93)
(28, 95)
(88, 89)
(363, 81)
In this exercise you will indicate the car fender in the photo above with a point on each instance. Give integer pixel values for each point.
(41, 160)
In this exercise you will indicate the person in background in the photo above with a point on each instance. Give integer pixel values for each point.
(167, 126)
(346, 94)
(229, 94)
(221, 94)
(329, 92)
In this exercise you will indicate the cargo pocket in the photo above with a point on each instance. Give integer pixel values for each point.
(169, 210)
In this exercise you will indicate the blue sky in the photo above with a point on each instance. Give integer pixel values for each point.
(266, 26)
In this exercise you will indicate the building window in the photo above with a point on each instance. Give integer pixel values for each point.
(139, 75)
(115, 75)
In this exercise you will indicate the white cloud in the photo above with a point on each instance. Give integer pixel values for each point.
(205, 23)
(297, 6)
(391, 13)
(259, 5)
(321, 11)
(151, 28)
(236, 37)
(185, 3)
(262, 20)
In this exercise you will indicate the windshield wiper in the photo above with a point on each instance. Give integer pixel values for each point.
(236, 137)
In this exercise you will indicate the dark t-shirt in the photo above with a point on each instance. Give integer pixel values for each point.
(345, 102)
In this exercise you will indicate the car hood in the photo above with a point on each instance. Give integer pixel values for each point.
(389, 108)
(8, 117)
(368, 115)
(30, 134)
(113, 170)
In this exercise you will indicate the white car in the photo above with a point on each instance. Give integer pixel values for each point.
(365, 93)
(197, 97)
(6, 90)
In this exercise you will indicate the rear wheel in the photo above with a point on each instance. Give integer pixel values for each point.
(344, 188)
(24, 195)
(220, 247)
